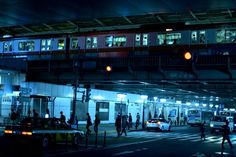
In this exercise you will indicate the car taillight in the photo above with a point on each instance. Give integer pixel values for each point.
(8, 131)
(26, 133)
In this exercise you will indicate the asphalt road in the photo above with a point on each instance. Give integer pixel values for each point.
(180, 142)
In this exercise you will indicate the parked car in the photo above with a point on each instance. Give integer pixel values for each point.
(158, 124)
(43, 131)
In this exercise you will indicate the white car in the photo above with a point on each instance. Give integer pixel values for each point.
(158, 124)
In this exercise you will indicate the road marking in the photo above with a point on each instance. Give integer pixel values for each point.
(123, 153)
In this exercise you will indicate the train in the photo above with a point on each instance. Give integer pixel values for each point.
(203, 41)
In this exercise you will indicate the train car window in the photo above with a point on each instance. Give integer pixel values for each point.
(119, 41)
(10, 46)
(145, 39)
(161, 39)
(5, 47)
(26, 46)
(137, 39)
(169, 38)
(230, 35)
(94, 42)
(74, 43)
(61, 44)
(194, 37)
(109, 41)
(45, 44)
(88, 42)
(220, 36)
(202, 36)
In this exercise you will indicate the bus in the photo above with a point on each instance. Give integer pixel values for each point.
(198, 116)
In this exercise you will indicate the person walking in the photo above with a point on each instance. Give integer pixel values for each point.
(137, 121)
(35, 114)
(89, 123)
(130, 121)
(124, 124)
(202, 130)
(62, 118)
(96, 123)
(225, 134)
(118, 124)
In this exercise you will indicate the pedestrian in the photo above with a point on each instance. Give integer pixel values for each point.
(202, 131)
(62, 118)
(35, 114)
(137, 121)
(89, 123)
(130, 121)
(13, 116)
(118, 124)
(225, 134)
(124, 124)
(96, 123)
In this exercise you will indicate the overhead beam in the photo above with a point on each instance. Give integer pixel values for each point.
(193, 15)
(128, 20)
(28, 29)
(99, 22)
(48, 26)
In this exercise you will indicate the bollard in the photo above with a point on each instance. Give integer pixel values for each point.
(86, 140)
(104, 139)
(96, 140)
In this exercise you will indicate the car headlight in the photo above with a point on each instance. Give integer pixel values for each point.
(211, 125)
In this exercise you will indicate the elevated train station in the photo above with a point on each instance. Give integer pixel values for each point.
(58, 59)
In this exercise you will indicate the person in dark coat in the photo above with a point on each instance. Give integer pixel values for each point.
(118, 124)
(89, 123)
(202, 130)
(124, 124)
(96, 123)
(130, 121)
(225, 134)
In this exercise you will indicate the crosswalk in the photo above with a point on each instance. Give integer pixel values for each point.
(190, 137)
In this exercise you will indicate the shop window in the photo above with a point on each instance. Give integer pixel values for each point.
(61, 44)
(102, 109)
(74, 43)
(137, 39)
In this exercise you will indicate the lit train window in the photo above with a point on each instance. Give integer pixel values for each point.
(137, 40)
(145, 39)
(74, 43)
(46, 44)
(61, 44)
(88, 42)
(108, 41)
(26, 46)
(119, 41)
(202, 37)
(220, 36)
(94, 42)
(169, 38)
(194, 37)
(230, 35)
(5, 47)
